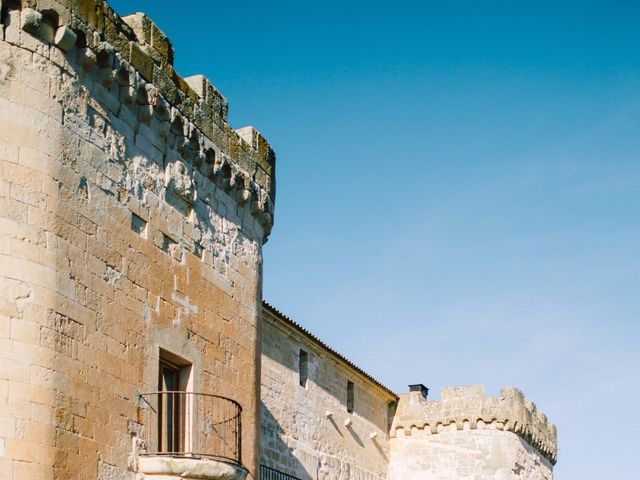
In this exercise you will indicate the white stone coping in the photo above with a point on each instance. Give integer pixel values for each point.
(196, 468)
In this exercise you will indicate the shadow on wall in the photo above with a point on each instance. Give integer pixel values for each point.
(380, 450)
(276, 454)
(306, 464)
(355, 435)
(335, 385)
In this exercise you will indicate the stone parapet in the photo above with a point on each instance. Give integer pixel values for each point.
(133, 60)
(467, 408)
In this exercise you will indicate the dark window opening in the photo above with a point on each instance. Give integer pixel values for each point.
(350, 396)
(168, 244)
(303, 368)
(138, 224)
(171, 408)
(210, 157)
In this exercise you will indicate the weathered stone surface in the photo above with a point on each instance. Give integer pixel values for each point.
(141, 61)
(46, 32)
(148, 32)
(307, 431)
(30, 21)
(178, 179)
(65, 39)
(199, 85)
(470, 435)
(205, 469)
(89, 294)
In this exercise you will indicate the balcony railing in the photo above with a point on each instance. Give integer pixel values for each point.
(268, 473)
(187, 424)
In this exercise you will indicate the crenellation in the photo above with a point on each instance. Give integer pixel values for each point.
(467, 407)
(148, 33)
(135, 55)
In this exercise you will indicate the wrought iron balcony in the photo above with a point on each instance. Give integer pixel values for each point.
(268, 473)
(191, 425)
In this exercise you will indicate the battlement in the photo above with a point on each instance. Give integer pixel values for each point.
(467, 408)
(133, 60)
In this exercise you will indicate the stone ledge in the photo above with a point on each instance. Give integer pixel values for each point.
(161, 468)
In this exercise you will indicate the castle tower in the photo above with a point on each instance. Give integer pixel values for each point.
(132, 219)
(468, 436)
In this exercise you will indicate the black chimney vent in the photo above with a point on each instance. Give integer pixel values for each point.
(418, 387)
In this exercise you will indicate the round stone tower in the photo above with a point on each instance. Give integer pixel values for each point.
(468, 436)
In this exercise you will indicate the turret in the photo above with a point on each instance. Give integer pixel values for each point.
(472, 434)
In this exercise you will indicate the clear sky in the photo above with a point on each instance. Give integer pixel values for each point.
(458, 191)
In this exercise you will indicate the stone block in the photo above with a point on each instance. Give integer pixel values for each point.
(114, 36)
(165, 83)
(141, 61)
(89, 11)
(105, 55)
(141, 26)
(30, 21)
(148, 33)
(46, 32)
(161, 44)
(87, 58)
(199, 85)
(217, 102)
(62, 13)
(65, 39)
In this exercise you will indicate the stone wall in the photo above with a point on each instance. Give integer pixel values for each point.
(469, 436)
(307, 431)
(132, 218)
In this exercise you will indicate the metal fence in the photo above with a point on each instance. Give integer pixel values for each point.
(267, 473)
(188, 424)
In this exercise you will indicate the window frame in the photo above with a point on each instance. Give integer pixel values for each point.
(351, 396)
(171, 416)
(303, 368)
(175, 409)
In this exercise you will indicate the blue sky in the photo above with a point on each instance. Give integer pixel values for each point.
(458, 191)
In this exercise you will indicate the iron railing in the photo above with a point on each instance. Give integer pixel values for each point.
(268, 473)
(188, 424)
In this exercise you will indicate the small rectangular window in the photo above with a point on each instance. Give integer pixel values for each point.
(168, 244)
(350, 396)
(138, 225)
(303, 368)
